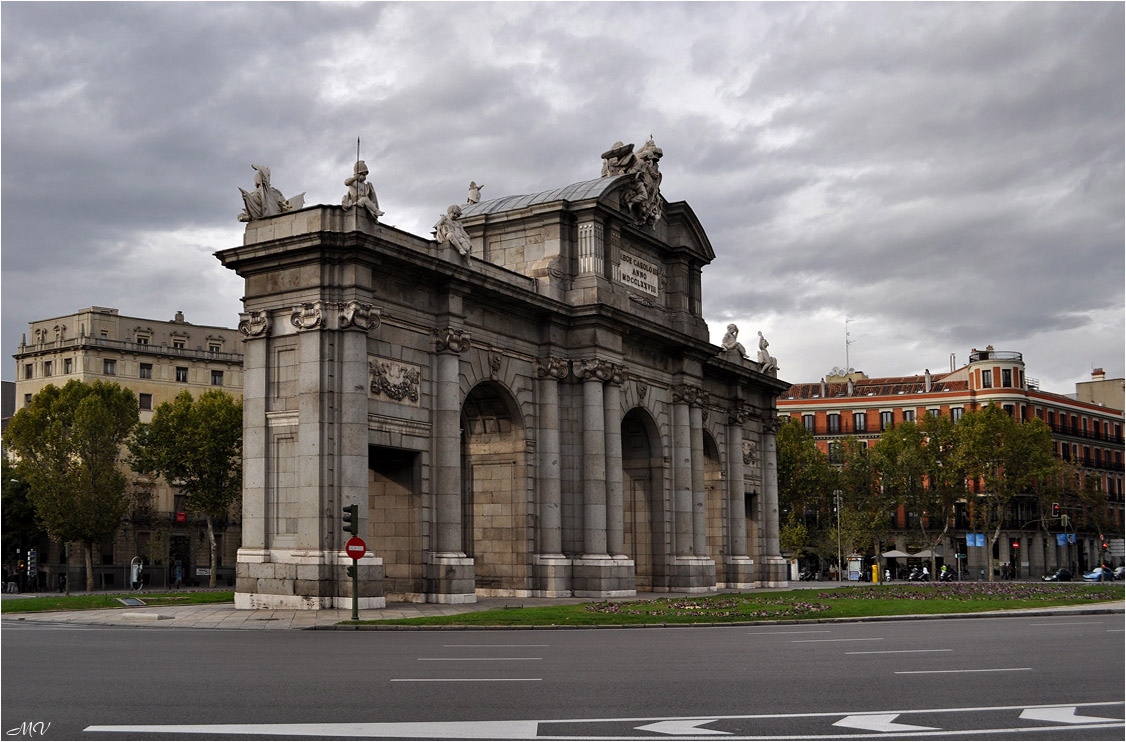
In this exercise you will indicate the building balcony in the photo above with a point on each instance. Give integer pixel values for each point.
(996, 355)
(123, 346)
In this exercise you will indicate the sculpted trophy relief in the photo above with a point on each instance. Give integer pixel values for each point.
(265, 200)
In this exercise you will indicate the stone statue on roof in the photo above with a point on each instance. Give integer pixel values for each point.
(360, 192)
(767, 363)
(643, 198)
(474, 193)
(265, 200)
(730, 342)
(450, 233)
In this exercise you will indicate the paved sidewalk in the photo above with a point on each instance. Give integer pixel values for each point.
(225, 616)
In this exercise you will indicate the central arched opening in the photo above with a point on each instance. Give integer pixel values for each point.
(494, 495)
(642, 515)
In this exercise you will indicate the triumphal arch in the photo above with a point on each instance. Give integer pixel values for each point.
(527, 404)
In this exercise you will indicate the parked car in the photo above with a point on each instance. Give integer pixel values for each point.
(1118, 572)
(1099, 574)
(1063, 574)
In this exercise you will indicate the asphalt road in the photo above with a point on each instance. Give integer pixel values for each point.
(997, 678)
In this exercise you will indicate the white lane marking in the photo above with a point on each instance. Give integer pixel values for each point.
(878, 723)
(396, 730)
(1069, 623)
(527, 729)
(807, 641)
(475, 659)
(680, 727)
(464, 680)
(778, 633)
(449, 646)
(942, 672)
(1062, 715)
(901, 651)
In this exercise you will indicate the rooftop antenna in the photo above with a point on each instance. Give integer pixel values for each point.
(357, 149)
(848, 368)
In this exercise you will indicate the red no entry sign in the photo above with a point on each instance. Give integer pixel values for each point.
(355, 547)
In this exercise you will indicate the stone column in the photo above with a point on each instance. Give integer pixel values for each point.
(772, 550)
(699, 493)
(591, 372)
(549, 371)
(446, 475)
(449, 573)
(682, 472)
(255, 328)
(615, 516)
(736, 486)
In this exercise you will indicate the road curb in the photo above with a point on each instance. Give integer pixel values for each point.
(1018, 613)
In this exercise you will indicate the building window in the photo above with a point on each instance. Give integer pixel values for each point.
(46, 368)
(908, 416)
(146, 370)
(68, 365)
(834, 422)
(860, 422)
(214, 347)
(177, 343)
(934, 411)
(142, 340)
(182, 374)
(27, 400)
(109, 368)
(1008, 409)
(216, 378)
(887, 420)
(1006, 377)
(986, 379)
(835, 455)
(956, 413)
(145, 401)
(806, 420)
(28, 370)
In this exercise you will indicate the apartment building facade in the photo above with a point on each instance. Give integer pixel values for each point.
(1086, 429)
(157, 360)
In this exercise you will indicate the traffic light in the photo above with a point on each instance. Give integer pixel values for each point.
(1102, 539)
(351, 570)
(352, 519)
(1055, 510)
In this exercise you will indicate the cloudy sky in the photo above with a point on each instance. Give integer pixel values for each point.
(945, 176)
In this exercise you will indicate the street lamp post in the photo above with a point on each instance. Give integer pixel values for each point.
(837, 499)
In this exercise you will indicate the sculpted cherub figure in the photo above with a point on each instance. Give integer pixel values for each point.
(360, 192)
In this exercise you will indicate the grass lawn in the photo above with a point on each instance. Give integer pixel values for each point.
(109, 600)
(841, 602)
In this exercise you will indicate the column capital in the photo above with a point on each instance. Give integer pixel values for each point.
(357, 314)
(308, 316)
(551, 366)
(737, 414)
(593, 368)
(691, 395)
(451, 340)
(254, 324)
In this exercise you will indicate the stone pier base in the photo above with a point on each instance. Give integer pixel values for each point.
(773, 572)
(551, 574)
(603, 577)
(450, 579)
(692, 575)
(305, 579)
(739, 573)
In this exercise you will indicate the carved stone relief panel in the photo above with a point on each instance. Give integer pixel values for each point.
(394, 380)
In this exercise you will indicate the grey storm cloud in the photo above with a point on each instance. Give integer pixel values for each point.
(947, 175)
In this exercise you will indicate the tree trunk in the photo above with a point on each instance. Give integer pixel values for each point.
(211, 538)
(88, 556)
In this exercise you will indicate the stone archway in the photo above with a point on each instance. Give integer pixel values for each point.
(713, 498)
(643, 518)
(494, 492)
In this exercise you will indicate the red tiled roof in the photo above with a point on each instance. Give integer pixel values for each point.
(887, 386)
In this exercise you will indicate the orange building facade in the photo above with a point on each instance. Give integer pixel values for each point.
(1086, 429)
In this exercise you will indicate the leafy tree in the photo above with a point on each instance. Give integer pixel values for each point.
(68, 445)
(805, 482)
(865, 507)
(1007, 458)
(196, 445)
(20, 527)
